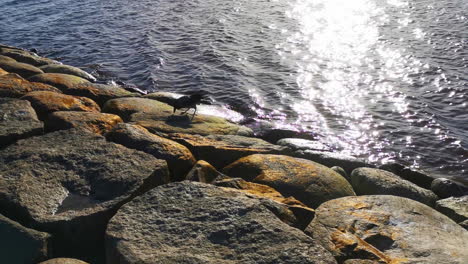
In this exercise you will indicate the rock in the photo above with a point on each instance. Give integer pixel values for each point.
(302, 215)
(464, 224)
(19, 244)
(445, 188)
(360, 261)
(320, 153)
(307, 181)
(454, 207)
(367, 181)
(6, 58)
(389, 229)
(342, 172)
(17, 120)
(98, 123)
(222, 150)
(13, 85)
(203, 172)
(273, 135)
(59, 80)
(165, 97)
(417, 177)
(26, 57)
(70, 183)
(158, 117)
(3, 72)
(100, 93)
(45, 102)
(192, 222)
(23, 69)
(179, 159)
(63, 261)
(67, 69)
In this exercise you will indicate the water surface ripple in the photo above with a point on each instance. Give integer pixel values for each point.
(385, 80)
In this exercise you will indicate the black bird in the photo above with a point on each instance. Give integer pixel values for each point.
(187, 101)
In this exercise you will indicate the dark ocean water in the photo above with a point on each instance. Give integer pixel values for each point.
(386, 80)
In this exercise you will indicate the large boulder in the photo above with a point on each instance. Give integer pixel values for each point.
(204, 172)
(23, 69)
(388, 229)
(67, 69)
(367, 181)
(307, 181)
(159, 117)
(6, 58)
(21, 245)
(63, 261)
(179, 159)
(100, 93)
(417, 177)
(199, 223)
(26, 57)
(318, 152)
(98, 123)
(17, 120)
(445, 188)
(222, 150)
(70, 183)
(47, 102)
(13, 85)
(454, 207)
(59, 80)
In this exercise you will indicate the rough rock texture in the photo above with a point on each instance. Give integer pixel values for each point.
(13, 85)
(454, 207)
(69, 183)
(67, 69)
(389, 229)
(158, 117)
(179, 159)
(204, 172)
(6, 58)
(417, 177)
(191, 222)
(361, 261)
(26, 57)
(63, 261)
(307, 181)
(100, 93)
(23, 69)
(464, 224)
(375, 181)
(98, 123)
(445, 188)
(316, 151)
(59, 80)
(302, 215)
(222, 150)
(47, 102)
(17, 120)
(19, 244)
(3, 72)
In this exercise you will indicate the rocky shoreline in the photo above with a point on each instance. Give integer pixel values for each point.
(94, 173)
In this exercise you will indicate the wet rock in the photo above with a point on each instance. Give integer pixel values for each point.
(389, 229)
(445, 188)
(374, 181)
(455, 207)
(19, 244)
(26, 57)
(23, 69)
(318, 152)
(63, 261)
(67, 69)
(307, 181)
(98, 123)
(69, 184)
(47, 102)
(273, 135)
(59, 80)
(222, 150)
(417, 177)
(100, 93)
(203, 172)
(192, 222)
(13, 85)
(165, 97)
(17, 120)
(3, 72)
(179, 159)
(158, 117)
(290, 211)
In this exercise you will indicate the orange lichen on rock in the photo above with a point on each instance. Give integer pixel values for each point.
(13, 85)
(98, 123)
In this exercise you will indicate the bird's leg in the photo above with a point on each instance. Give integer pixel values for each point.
(185, 111)
(173, 112)
(194, 112)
